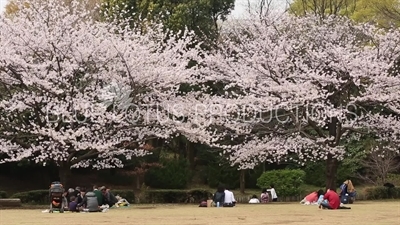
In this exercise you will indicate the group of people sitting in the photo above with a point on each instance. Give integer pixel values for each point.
(95, 200)
(222, 198)
(265, 198)
(225, 198)
(330, 199)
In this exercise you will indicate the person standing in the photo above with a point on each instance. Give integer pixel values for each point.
(274, 196)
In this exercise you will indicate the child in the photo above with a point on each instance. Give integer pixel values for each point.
(321, 197)
(274, 196)
(264, 196)
(254, 200)
(73, 205)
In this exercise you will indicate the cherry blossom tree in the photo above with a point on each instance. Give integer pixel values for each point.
(302, 87)
(85, 93)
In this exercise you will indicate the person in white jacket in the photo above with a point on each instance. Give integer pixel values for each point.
(274, 196)
(229, 199)
(254, 200)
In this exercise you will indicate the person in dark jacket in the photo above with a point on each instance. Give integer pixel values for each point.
(99, 195)
(81, 195)
(109, 198)
(90, 202)
(73, 204)
(219, 196)
(77, 191)
(71, 193)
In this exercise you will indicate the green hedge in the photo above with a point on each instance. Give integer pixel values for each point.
(176, 196)
(376, 193)
(287, 182)
(33, 197)
(129, 195)
(3, 194)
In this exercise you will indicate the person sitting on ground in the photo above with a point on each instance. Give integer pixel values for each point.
(71, 192)
(99, 195)
(219, 196)
(333, 200)
(254, 200)
(321, 197)
(73, 204)
(203, 203)
(274, 196)
(312, 198)
(347, 189)
(77, 191)
(81, 195)
(264, 196)
(108, 198)
(229, 200)
(89, 203)
(121, 201)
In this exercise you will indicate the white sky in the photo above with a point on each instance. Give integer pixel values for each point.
(240, 8)
(2, 5)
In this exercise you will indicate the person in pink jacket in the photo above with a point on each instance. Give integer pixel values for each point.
(312, 198)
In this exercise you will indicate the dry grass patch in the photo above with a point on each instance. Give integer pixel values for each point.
(382, 213)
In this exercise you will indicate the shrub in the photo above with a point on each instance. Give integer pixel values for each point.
(199, 194)
(3, 194)
(173, 175)
(176, 196)
(33, 197)
(287, 182)
(129, 195)
(393, 178)
(377, 193)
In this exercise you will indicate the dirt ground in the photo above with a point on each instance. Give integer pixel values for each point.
(362, 213)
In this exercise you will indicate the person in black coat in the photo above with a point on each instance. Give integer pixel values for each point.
(219, 196)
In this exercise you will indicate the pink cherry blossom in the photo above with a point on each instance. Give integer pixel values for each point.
(302, 73)
(75, 89)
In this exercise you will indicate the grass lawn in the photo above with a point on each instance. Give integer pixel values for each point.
(362, 213)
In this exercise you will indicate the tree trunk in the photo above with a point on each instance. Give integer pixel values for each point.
(332, 164)
(331, 171)
(242, 181)
(65, 174)
(190, 155)
(138, 181)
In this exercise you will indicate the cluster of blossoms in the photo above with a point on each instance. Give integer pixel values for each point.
(74, 88)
